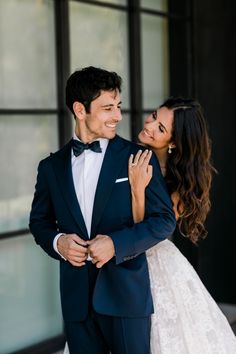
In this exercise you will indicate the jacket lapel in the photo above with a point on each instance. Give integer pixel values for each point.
(62, 167)
(115, 157)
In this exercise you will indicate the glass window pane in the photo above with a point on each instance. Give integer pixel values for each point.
(29, 295)
(154, 60)
(124, 127)
(27, 60)
(24, 141)
(144, 116)
(98, 37)
(159, 5)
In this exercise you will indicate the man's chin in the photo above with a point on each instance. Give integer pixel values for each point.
(111, 135)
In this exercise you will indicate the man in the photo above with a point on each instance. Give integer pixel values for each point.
(82, 215)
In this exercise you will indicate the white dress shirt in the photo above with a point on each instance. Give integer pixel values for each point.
(85, 171)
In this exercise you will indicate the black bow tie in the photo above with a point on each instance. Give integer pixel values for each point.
(78, 147)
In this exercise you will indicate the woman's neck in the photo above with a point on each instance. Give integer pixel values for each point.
(162, 158)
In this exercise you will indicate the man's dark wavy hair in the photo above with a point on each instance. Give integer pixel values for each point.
(85, 85)
(189, 168)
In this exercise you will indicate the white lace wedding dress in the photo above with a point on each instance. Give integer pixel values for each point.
(186, 320)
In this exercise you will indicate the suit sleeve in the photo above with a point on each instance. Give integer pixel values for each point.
(42, 219)
(158, 224)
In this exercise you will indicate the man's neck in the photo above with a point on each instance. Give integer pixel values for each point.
(82, 138)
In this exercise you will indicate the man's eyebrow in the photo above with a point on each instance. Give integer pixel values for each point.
(111, 104)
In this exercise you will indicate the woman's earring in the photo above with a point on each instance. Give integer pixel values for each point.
(169, 150)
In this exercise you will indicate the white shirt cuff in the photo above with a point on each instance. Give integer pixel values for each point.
(55, 245)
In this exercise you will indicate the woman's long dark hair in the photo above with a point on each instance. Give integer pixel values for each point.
(189, 169)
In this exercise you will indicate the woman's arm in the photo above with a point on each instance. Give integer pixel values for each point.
(140, 174)
(159, 222)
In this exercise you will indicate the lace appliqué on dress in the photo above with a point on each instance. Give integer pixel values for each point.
(186, 320)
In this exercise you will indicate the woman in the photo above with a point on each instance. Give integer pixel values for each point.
(186, 318)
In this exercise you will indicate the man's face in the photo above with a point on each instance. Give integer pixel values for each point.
(103, 118)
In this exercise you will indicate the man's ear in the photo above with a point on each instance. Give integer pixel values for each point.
(79, 110)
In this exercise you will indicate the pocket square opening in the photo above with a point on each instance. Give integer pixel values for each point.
(121, 179)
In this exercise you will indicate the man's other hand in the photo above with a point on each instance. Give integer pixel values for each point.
(101, 249)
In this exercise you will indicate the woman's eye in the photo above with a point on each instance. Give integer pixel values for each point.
(154, 115)
(161, 129)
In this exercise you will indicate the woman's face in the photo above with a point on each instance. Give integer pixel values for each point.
(157, 130)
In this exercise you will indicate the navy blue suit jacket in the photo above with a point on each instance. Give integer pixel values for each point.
(122, 287)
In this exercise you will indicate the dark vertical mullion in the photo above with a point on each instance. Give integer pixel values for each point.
(190, 48)
(181, 83)
(135, 67)
(63, 67)
(180, 48)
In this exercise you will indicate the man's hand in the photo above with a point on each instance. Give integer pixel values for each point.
(101, 249)
(73, 248)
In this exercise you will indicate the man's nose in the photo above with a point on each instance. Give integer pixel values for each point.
(118, 115)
